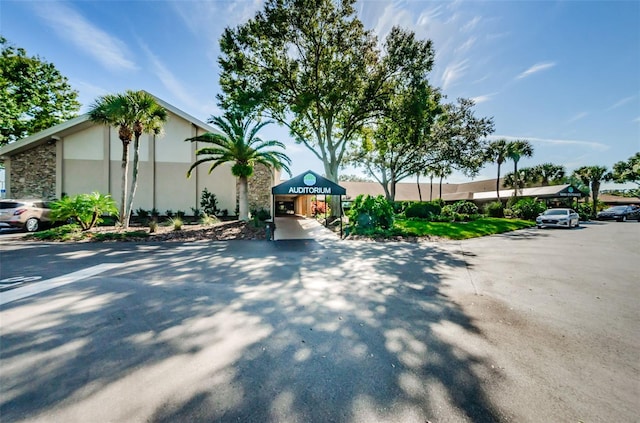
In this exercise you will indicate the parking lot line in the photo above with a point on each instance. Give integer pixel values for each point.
(38, 287)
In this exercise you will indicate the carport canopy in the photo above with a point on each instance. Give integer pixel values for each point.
(308, 183)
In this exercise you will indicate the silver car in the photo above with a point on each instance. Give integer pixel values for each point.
(558, 218)
(29, 215)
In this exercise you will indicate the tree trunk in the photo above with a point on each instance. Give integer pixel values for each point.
(441, 178)
(243, 198)
(134, 179)
(125, 177)
(498, 183)
(595, 190)
(515, 178)
(431, 187)
(419, 191)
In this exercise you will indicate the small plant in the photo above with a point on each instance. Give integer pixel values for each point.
(180, 214)
(225, 213)
(209, 203)
(142, 214)
(169, 213)
(84, 209)
(153, 226)
(197, 213)
(177, 223)
(465, 207)
(207, 220)
(155, 214)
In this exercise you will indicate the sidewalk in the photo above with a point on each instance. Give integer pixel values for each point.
(298, 227)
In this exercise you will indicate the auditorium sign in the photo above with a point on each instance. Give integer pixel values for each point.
(308, 183)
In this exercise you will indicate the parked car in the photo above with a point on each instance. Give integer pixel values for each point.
(620, 213)
(29, 215)
(558, 218)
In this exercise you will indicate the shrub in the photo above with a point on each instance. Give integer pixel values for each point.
(177, 223)
(465, 207)
(197, 213)
(371, 212)
(423, 210)
(169, 213)
(142, 213)
(153, 226)
(527, 208)
(495, 209)
(262, 215)
(85, 209)
(209, 203)
(584, 210)
(180, 214)
(154, 213)
(207, 220)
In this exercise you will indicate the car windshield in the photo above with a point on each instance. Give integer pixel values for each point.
(555, 212)
(616, 209)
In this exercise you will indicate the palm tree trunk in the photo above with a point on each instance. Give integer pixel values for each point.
(243, 198)
(498, 183)
(441, 178)
(418, 184)
(515, 178)
(125, 177)
(431, 187)
(134, 178)
(595, 189)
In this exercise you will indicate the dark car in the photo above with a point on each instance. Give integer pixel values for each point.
(620, 213)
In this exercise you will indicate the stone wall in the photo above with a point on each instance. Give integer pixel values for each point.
(260, 184)
(33, 173)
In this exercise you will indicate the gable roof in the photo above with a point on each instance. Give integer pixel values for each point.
(82, 122)
(308, 183)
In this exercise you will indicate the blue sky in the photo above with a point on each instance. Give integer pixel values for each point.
(564, 75)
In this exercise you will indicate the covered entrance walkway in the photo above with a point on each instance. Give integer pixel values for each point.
(298, 227)
(292, 201)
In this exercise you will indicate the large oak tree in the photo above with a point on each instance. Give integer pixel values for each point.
(34, 95)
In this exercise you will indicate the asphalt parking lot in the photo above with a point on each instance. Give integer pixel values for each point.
(535, 325)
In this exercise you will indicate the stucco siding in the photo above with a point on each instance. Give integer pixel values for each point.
(220, 182)
(82, 177)
(85, 145)
(173, 190)
(171, 147)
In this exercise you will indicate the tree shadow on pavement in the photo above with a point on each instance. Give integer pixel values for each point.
(249, 331)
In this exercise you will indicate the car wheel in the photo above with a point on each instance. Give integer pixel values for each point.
(622, 219)
(32, 224)
(539, 226)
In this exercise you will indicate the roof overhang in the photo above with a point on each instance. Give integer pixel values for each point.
(308, 183)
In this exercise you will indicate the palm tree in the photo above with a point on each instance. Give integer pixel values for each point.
(240, 145)
(498, 152)
(548, 172)
(526, 176)
(515, 151)
(134, 113)
(110, 110)
(149, 118)
(593, 176)
(442, 171)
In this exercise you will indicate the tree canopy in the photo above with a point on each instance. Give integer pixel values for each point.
(627, 171)
(33, 93)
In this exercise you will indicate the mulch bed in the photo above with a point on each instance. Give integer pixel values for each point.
(223, 231)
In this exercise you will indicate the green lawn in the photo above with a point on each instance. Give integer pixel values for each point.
(460, 230)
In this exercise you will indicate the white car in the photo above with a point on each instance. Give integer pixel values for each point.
(558, 218)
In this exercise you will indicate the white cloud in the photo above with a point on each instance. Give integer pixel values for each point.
(621, 102)
(538, 67)
(577, 117)
(175, 86)
(466, 45)
(557, 142)
(482, 98)
(471, 24)
(453, 72)
(106, 49)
